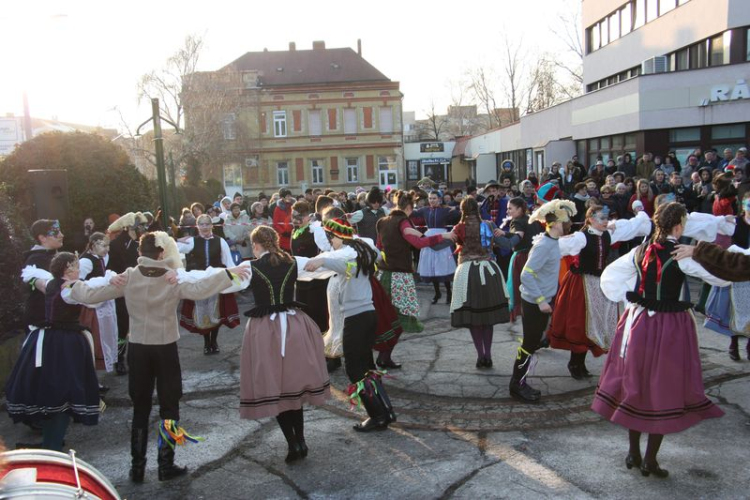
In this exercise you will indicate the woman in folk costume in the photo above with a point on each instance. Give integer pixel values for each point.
(539, 279)
(54, 378)
(479, 300)
(354, 262)
(436, 264)
(584, 320)
(652, 380)
(100, 320)
(728, 308)
(205, 317)
(312, 293)
(282, 364)
(519, 238)
(396, 237)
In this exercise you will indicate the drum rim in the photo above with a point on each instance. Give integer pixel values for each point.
(58, 458)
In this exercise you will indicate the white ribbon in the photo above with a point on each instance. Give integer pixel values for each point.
(283, 318)
(39, 347)
(633, 311)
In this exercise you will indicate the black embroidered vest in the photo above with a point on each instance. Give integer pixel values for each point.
(593, 257)
(273, 287)
(206, 253)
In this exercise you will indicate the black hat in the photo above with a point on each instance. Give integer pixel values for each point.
(492, 183)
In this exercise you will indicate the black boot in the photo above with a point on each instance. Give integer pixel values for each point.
(121, 367)
(214, 342)
(207, 344)
(378, 414)
(333, 364)
(448, 293)
(167, 469)
(438, 295)
(138, 444)
(734, 348)
(385, 400)
(574, 366)
(518, 387)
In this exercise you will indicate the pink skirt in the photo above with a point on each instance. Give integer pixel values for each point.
(657, 386)
(271, 384)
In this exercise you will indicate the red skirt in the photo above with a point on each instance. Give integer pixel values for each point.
(89, 321)
(568, 328)
(388, 329)
(227, 314)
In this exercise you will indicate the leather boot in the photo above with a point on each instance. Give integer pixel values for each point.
(378, 415)
(734, 348)
(167, 469)
(518, 387)
(385, 400)
(138, 444)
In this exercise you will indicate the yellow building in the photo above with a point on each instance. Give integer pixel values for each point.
(304, 119)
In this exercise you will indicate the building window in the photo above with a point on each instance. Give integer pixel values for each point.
(626, 19)
(652, 10)
(282, 173)
(352, 170)
(350, 121)
(386, 120)
(614, 26)
(719, 49)
(332, 119)
(228, 128)
(313, 117)
(639, 19)
(747, 51)
(699, 55)
(728, 132)
(317, 171)
(685, 134)
(682, 60)
(666, 5)
(279, 123)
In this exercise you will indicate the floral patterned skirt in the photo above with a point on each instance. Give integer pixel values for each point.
(402, 291)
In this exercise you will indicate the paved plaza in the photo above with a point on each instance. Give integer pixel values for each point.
(459, 435)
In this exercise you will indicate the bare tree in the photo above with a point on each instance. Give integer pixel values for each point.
(485, 94)
(435, 123)
(513, 69)
(570, 33)
(544, 89)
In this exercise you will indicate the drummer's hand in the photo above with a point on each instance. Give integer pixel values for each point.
(545, 308)
(313, 265)
(412, 232)
(683, 252)
(120, 280)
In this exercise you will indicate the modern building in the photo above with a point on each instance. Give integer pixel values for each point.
(13, 130)
(429, 159)
(304, 119)
(659, 76)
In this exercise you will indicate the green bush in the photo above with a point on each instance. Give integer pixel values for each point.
(101, 180)
(14, 241)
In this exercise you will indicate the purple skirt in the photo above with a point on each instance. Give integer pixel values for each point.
(657, 386)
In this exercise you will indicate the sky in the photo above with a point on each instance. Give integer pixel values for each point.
(80, 60)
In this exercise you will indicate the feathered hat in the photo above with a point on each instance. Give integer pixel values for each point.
(339, 228)
(171, 253)
(554, 211)
(130, 219)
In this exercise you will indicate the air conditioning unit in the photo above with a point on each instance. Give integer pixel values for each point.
(658, 64)
(251, 162)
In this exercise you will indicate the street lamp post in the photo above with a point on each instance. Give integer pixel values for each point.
(161, 174)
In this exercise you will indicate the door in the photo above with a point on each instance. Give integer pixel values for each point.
(388, 178)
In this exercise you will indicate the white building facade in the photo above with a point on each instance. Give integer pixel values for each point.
(659, 75)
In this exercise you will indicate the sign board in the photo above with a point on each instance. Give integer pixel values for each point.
(431, 147)
(723, 93)
(9, 130)
(434, 161)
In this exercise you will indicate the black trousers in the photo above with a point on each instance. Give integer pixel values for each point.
(534, 323)
(123, 319)
(154, 365)
(359, 337)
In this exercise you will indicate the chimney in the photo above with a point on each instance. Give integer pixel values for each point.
(319, 45)
(292, 46)
(359, 47)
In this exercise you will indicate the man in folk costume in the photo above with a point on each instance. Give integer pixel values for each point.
(539, 279)
(205, 317)
(123, 253)
(152, 294)
(48, 238)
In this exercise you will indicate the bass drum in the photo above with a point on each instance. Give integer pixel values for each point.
(51, 474)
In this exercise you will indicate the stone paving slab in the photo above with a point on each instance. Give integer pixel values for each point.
(459, 435)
